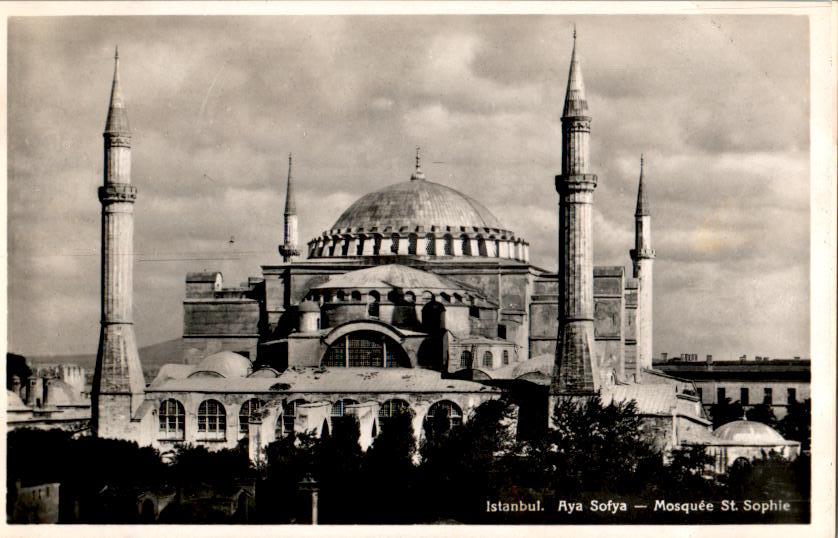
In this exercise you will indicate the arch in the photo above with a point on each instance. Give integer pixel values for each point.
(430, 245)
(340, 296)
(249, 409)
(394, 296)
(365, 349)
(355, 296)
(481, 246)
(363, 325)
(465, 359)
(466, 242)
(390, 409)
(448, 410)
(285, 422)
(488, 359)
(359, 249)
(448, 245)
(373, 304)
(410, 297)
(412, 241)
(212, 419)
(172, 420)
(339, 407)
(433, 317)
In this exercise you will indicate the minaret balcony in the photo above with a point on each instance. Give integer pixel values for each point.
(642, 254)
(117, 192)
(576, 182)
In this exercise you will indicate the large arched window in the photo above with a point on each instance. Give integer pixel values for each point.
(366, 349)
(286, 422)
(390, 409)
(488, 359)
(212, 419)
(465, 359)
(447, 409)
(172, 420)
(248, 409)
(339, 407)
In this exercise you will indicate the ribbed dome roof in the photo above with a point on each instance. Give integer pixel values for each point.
(748, 432)
(416, 203)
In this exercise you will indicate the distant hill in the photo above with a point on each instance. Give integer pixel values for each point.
(152, 357)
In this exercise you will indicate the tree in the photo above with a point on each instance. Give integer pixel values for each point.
(797, 424)
(337, 465)
(726, 411)
(763, 413)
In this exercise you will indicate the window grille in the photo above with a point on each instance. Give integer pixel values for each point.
(465, 359)
(394, 247)
(430, 245)
(339, 407)
(466, 245)
(411, 244)
(505, 357)
(289, 416)
(487, 359)
(172, 419)
(447, 409)
(248, 409)
(212, 418)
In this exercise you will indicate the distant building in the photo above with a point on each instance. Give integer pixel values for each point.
(34, 504)
(51, 397)
(777, 382)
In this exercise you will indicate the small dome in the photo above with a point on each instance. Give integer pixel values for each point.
(748, 432)
(309, 306)
(225, 364)
(13, 401)
(416, 203)
(60, 393)
(265, 373)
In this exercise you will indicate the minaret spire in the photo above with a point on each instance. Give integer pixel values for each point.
(118, 382)
(643, 257)
(417, 173)
(575, 369)
(288, 249)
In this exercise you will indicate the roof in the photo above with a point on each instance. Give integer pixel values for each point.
(338, 380)
(575, 102)
(416, 203)
(225, 363)
(61, 393)
(749, 432)
(642, 203)
(117, 122)
(391, 276)
(651, 399)
(204, 276)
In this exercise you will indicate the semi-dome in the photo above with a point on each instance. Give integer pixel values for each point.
(223, 364)
(417, 203)
(418, 218)
(748, 432)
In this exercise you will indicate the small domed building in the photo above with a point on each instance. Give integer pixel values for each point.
(747, 440)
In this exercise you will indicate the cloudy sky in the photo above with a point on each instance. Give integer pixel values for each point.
(718, 104)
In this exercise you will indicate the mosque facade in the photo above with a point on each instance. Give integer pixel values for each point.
(416, 297)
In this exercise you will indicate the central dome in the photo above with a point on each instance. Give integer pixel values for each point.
(417, 203)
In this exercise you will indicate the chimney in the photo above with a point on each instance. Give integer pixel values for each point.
(709, 359)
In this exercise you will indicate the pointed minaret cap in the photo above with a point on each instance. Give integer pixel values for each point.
(575, 103)
(117, 118)
(642, 203)
(418, 174)
(290, 199)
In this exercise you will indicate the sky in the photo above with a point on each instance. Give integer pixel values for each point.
(719, 106)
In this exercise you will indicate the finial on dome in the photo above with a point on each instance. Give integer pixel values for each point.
(418, 174)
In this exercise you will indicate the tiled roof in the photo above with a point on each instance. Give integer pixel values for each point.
(651, 399)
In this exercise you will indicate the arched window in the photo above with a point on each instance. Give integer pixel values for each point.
(376, 246)
(465, 359)
(340, 296)
(390, 409)
(505, 357)
(481, 246)
(448, 409)
(212, 419)
(394, 247)
(172, 419)
(487, 359)
(289, 416)
(339, 407)
(411, 244)
(430, 245)
(356, 296)
(366, 349)
(449, 245)
(466, 245)
(249, 409)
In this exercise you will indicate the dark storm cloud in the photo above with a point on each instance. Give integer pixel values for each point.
(718, 104)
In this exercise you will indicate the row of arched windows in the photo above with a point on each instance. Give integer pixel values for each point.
(466, 359)
(350, 245)
(212, 416)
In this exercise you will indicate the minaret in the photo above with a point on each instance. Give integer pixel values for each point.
(288, 249)
(643, 257)
(574, 371)
(118, 383)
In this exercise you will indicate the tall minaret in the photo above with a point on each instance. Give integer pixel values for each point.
(288, 249)
(643, 256)
(118, 383)
(574, 371)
